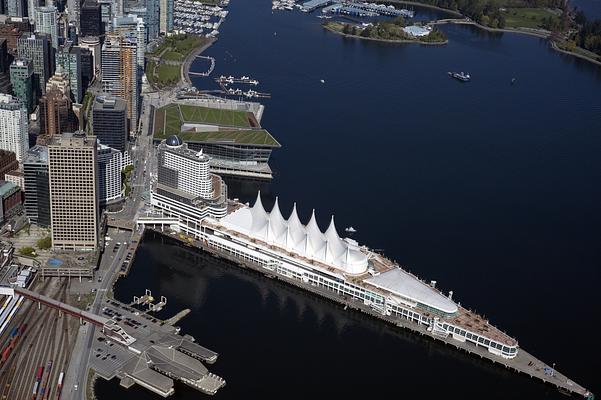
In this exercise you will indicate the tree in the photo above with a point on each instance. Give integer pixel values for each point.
(346, 29)
(44, 243)
(27, 251)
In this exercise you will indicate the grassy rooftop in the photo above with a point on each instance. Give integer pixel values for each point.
(243, 136)
(169, 119)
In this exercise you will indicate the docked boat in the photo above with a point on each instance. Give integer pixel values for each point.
(460, 76)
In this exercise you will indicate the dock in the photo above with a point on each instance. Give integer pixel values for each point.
(209, 71)
(524, 362)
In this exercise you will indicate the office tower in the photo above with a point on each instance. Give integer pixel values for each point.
(11, 200)
(73, 176)
(87, 67)
(74, 11)
(90, 23)
(13, 126)
(46, 21)
(166, 16)
(110, 165)
(8, 162)
(109, 121)
(15, 8)
(35, 47)
(56, 113)
(107, 13)
(69, 58)
(92, 43)
(152, 20)
(120, 73)
(37, 189)
(21, 78)
(11, 30)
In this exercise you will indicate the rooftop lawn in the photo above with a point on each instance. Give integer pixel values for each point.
(169, 119)
(257, 137)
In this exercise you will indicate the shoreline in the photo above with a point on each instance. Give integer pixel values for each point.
(400, 41)
(185, 69)
(523, 31)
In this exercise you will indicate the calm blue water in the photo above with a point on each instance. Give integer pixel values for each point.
(490, 188)
(591, 8)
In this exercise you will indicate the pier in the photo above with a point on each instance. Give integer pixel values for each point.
(209, 71)
(523, 362)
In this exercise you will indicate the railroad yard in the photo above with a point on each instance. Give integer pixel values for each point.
(41, 349)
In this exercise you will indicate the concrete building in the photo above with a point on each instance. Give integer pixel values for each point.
(8, 163)
(11, 30)
(68, 57)
(11, 200)
(120, 75)
(46, 21)
(90, 23)
(110, 164)
(21, 78)
(185, 189)
(73, 173)
(13, 126)
(37, 189)
(166, 16)
(56, 109)
(132, 26)
(16, 177)
(109, 121)
(36, 49)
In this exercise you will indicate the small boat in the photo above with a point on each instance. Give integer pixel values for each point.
(513, 80)
(350, 229)
(460, 76)
(322, 81)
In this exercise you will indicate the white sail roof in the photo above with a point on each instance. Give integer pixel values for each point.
(306, 240)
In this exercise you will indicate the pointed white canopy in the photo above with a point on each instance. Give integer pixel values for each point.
(291, 234)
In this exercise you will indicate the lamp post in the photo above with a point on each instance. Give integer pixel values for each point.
(553, 370)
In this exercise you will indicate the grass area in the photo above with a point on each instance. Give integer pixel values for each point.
(528, 17)
(44, 243)
(167, 74)
(168, 120)
(256, 137)
(172, 56)
(388, 31)
(27, 251)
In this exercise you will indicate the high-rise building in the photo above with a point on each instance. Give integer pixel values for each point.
(152, 20)
(21, 78)
(8, 162)
(37, 189)
(36, 49)
(11, 30)
(15, 8)
(166, 16)
(69, 58)
(120, 73)
(108, 10)
(109, 121)
(110, 164)
(87, 67)
(90, 23)
(73, 173)
(46, 21)
(13, 126)
(92, 43)
(4, 55)
(74, 7)
(56, 109)
(185, 189)
(132, 27)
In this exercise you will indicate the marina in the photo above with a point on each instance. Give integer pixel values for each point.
(195, 17)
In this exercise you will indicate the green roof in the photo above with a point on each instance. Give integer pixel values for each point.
(259, 137)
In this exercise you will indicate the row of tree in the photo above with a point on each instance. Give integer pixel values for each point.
(589, 33)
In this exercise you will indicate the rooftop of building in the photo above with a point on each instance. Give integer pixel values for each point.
(36, 154)
(7, 188)
(76, 139)
(108, 102)
(257, 137)
(168, 120)
(175, 145)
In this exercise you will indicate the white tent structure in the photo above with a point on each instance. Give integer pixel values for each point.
(290, 234)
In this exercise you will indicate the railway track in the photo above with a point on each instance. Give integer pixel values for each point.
(46, 338)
